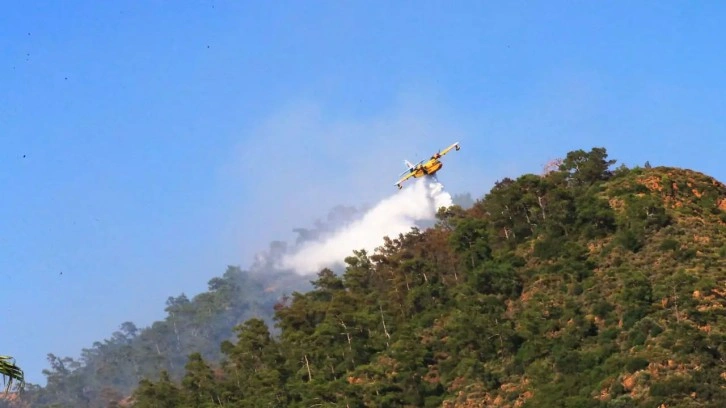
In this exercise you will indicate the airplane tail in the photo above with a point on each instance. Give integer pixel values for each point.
(408, 164)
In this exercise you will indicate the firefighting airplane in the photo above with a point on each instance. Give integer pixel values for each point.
(425, 167)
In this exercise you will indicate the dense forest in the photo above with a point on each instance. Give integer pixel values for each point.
(589, 285)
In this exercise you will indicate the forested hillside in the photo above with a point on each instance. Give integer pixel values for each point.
(587, 286)
(112, 368)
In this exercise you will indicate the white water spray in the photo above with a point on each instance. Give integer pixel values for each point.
(390, 217)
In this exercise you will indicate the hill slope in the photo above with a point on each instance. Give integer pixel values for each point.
(112, 368)
(583, 287)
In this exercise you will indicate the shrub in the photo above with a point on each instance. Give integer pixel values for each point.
(669, 245)
(636, 363)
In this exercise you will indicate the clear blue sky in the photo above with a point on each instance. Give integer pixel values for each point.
(145, 145)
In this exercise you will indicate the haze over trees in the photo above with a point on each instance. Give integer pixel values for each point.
(586, 286)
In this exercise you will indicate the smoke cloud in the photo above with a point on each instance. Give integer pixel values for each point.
(390, 217)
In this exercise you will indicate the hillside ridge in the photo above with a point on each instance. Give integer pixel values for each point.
(586, 286)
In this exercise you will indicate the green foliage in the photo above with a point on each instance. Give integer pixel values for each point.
(470, 238)
(497, 278)
(636, 298)
(671, 387)
(162, 394)
(587, 168)
(198, 383)
(631, 239)
(669, 245)
(642, 216)
(635, 364)
(594, 217)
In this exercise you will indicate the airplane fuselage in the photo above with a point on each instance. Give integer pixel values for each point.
(427, 169)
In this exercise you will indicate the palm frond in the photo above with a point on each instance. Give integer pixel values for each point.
(11, 374)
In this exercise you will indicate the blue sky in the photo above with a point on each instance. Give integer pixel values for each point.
(145, 146)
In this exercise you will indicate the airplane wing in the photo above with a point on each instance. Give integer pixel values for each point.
(408, 176)
(455, 145)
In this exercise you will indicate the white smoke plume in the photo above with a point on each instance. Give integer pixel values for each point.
(390, 217)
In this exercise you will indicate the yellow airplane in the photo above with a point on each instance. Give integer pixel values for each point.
(425, 167)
